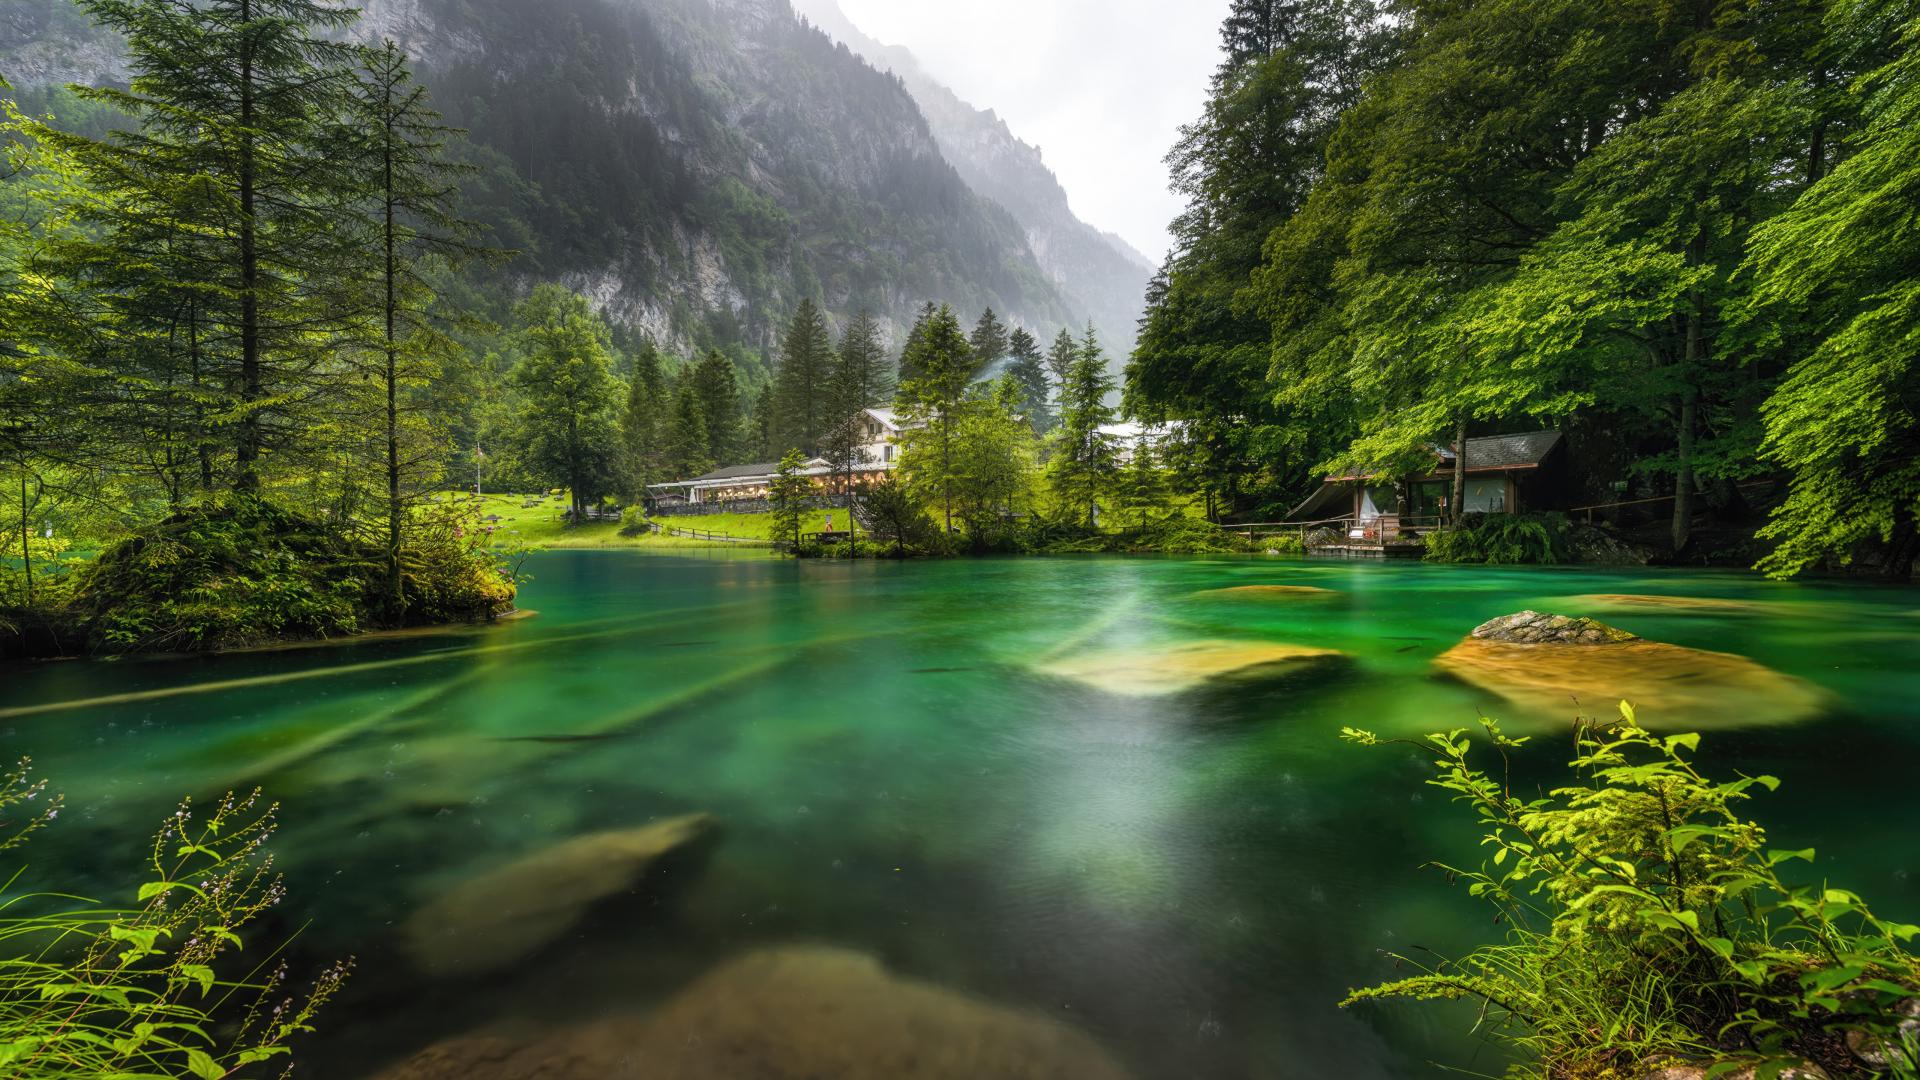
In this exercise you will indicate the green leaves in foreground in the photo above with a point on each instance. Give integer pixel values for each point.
(139, 992)
(1648, 920)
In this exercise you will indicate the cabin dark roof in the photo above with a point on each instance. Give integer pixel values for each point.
(1506, 451)
(735, 472)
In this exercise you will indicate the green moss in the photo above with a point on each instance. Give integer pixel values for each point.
(242, 571)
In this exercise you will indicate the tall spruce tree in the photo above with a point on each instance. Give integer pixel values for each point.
(935, 403)
(643, 422)
(859, 383)
(1029, 373)
(989, 342)
(404, 160)
(1060, 357)
(1085, 463)
(906, 371)
(718, 385)
(239, 126)
(806, 366)
(687, 444)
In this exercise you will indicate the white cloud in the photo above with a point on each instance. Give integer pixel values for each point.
(1101, 86)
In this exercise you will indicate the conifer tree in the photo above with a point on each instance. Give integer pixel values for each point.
(239, 129)
(789, 495)
(687, 443)
(989, 341)
(1084, 464)
(1060, 359)
(906, 372)
(1030, 374)
(936, 399)
(643, 423)
(404, 164)
(1143, 483)
(718, 386)
(806, 365)
(859, 383)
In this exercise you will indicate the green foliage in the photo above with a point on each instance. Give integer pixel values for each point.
(241, 571)
(1841, 263)
(1648, 919)
(159, 989)
(791, 495)
(569, 431)
(1176, 535)
(896, 519)
(936, 374)
(1503, 539)
(1084, 464)
(803, 392)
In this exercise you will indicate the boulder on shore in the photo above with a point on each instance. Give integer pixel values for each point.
(794, 1013)
(503, 915)
(1176, 669)
(1552, 664)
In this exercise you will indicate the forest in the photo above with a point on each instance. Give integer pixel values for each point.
(1681, 232)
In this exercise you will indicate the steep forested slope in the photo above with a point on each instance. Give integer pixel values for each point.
(696, 166)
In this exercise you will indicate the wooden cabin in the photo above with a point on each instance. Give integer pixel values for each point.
(1506, 474)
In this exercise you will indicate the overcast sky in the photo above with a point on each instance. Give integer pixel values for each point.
(1101, 86)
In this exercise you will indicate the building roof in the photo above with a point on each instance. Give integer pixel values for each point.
(887, 417)
(1523, 451)
(1133, 430)
(735, 472)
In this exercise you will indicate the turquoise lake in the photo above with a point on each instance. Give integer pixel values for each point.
(899, 767)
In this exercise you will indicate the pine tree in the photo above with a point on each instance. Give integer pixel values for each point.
(908, 351)
(859, 383)
(412, 218)
(1083, 466)
(1029, 372)
(1060, 360)
(936, 399)
(789, 496)
(643, 423)
(239, 129)
(989, 342)
(718, 386)
(806, 363)
(686, 442)
(1143, 483)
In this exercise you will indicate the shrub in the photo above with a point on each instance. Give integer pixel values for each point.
(1649, 921)
(1502, 539)
(139, 992)
(240, 571)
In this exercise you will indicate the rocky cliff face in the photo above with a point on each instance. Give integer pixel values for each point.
(699, 166)
(1098, 270)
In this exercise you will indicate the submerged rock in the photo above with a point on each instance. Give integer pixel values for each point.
(795, 1013)
(1268, 592)
(1701, 605)
(1535, 628)
(501, 916)
(1687, 1070)
(1548, 663)
(1176, 669)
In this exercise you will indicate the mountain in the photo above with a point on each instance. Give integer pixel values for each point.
(1097, 269)
(697, 167)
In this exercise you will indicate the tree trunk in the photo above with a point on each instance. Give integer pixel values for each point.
(396, 597)
(1903, 548)
(247, 448)
(26, 538)
(1683, 473)
(1457, 512)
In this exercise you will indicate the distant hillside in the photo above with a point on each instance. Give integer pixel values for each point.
(697, 166)
(1095, 269)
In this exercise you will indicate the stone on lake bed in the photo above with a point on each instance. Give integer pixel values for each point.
(1175, 669)
(503, 915)
(1268, 592)
(1698, 605)
(1547, 663)
(789, 1013)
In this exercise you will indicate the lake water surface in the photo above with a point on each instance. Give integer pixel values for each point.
(1193, 881)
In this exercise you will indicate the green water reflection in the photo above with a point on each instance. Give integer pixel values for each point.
(1194, 880)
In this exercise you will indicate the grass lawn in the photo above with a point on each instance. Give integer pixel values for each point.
(544, 526)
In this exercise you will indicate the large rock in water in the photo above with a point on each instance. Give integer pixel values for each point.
(504, 915)
(1554, 665)
(1177, 669)
(797, 1013)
